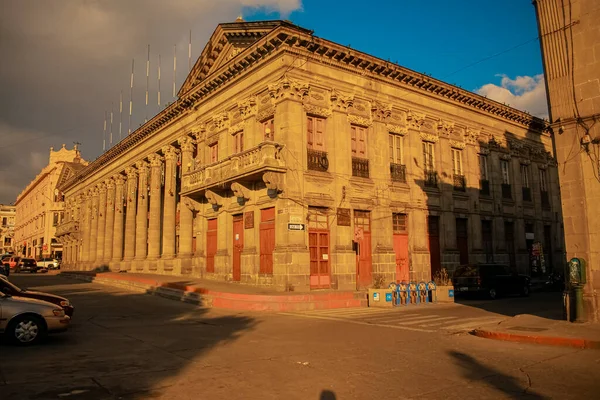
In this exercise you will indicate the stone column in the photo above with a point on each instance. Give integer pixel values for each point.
(94, 224)
(155, 203)
(117, 240)
(130, 198)
(169, 203)
(185, 213)
(110, 220)
(101, 223)
(86, 200)
(141, 234)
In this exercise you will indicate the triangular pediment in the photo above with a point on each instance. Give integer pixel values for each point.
(226, 42)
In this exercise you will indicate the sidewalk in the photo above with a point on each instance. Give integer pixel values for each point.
(527, 328)
(232, 296)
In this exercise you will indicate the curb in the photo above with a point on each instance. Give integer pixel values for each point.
(225, 300)
(543, 340)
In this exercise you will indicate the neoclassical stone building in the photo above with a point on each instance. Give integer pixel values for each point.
(293, 161)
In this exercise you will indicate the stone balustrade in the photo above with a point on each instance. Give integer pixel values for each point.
(67, 227)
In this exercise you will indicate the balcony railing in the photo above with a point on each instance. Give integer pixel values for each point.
(398, 172)
(460, 183)
(360, 167)
(545, 199)
(317, 160)
(254, 161)
(526, 193)
(484, 187)
(431, 179)
(506, 191)
(66, 228)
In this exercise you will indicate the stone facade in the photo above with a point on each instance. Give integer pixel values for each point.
(40, 206)
(292, 161)
(571, 53)
(7, 228)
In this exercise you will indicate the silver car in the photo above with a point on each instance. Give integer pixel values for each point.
(26, 321)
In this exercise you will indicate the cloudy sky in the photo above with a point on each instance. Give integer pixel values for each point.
(65, 62)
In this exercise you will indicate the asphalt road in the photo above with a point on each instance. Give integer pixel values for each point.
(125, 345)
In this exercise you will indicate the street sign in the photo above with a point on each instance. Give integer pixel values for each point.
(296, 227)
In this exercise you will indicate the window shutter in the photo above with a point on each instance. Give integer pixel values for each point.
(353, 138)
(399, 149)
(309, 131)
(319, 134)
(391, 141)
(362, 142)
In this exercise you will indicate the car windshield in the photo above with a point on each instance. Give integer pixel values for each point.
(5, 283)
(466, 271)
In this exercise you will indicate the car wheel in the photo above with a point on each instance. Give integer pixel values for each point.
(26, 329)
(525, 291)
(492, 293)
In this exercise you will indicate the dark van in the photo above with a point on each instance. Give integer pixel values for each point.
(492, 280)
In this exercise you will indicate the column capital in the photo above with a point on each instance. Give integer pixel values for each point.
(102, 187)
(95, 191)
(131, 172)
(110, 183)
(186, 143)
(155, 160)
(170, 153)
(119, 179)
(141, 165)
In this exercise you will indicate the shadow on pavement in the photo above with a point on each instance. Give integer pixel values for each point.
(473, 370)
(327, 395)
(120, 345)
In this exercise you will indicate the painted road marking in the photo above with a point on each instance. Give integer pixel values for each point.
(352, 321)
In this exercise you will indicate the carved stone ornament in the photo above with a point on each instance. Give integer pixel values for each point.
(445, 128)
(240, 191)
(265, 114)
(110, 183)
(340, 102)
(358, 120)
(273, 181)
(415, 120)
(471, 136)
(484, 151)
(429, 137)
(221, 120)
(236, 128)
(248, 107)
(317, 95)
(155, 160)
(455, 144)
(381, 111)
(131, 172)
(288, 88)
(186, 143)
(505, 157)
(141, 166)
(525, 162)
(213, 198)
(170, 153)
(317, 111)
(393, 128)
(551, 160)
(189, 203)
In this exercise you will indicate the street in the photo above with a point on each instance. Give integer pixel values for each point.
(125, 345)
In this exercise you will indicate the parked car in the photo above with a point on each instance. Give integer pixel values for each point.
(50, 263)
(492, 280)
(12, 261)
(10, 288)
(27, 265)
(26, 321)
(4, 270)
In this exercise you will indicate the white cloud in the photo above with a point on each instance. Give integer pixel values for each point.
(527, 93)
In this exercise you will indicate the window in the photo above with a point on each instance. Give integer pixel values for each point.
(505, 172)
(318, 218)
(359, 141)
(214, 152)
(544, 188)
(399, 223)
(486, 236)
(457, 171)
(526, 189)
(4, 221)
(429, 164)
(484, 181)
(238, 142)
(55, 219)
(315, 133)
(268, 127)
(397, 167)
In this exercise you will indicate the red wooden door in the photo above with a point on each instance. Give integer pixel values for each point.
(238, 246)
(362, 234)
(433, 230)
(318, 244)
(267, 240)
(462, 240)
(211, 245)
(401, 250)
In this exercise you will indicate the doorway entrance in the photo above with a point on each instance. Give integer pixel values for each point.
(267, 240)
(362, 240)
(318, 245)
(238, 246)
(433, 233)
(211, 245)
(400, 228)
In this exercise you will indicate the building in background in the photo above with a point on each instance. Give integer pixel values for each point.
(292, 161)
(570, 41)
(7, 228)
(40, 207)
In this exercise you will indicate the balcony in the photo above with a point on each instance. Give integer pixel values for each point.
(526, 193)
(360, 167)
(317, 160)
(545, 199)
(484, 187)
(507, 191)
(67, 228)
(248, 165)
(398, 172)
(460, 183)
(431, 179)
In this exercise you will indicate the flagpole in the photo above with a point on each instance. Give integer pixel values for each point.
(104, 134)
(190, 53)
(174, 68)
(147, 82)
(131, 96)
(159, 82)
(111, 122)
(120, 114)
